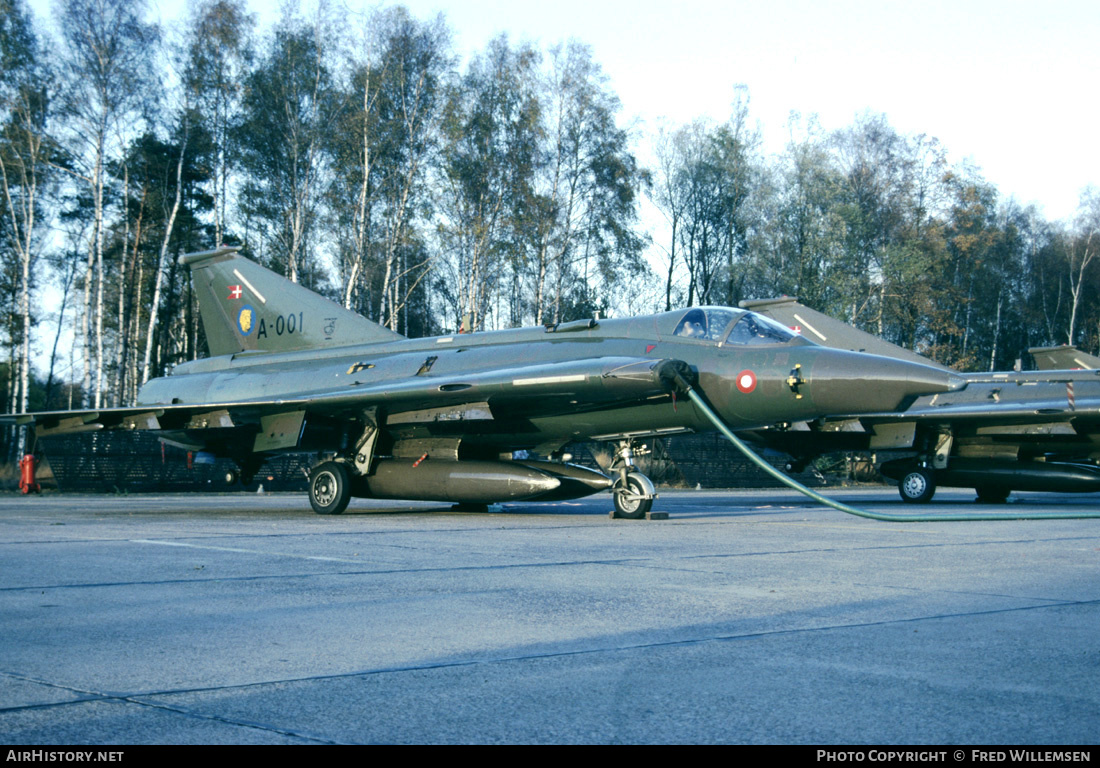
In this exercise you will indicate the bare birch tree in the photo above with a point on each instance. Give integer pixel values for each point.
(1081, 251)
(219, 54)
(105, 60)
(290, 106)
(25, 153)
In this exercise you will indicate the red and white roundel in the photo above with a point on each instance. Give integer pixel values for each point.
(746, 381)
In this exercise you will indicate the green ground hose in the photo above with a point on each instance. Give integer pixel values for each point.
(792, 483)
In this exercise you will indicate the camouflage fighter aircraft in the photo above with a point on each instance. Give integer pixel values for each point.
(1002, 432)
(482, 417)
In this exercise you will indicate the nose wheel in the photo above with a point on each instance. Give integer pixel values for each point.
(632, 500)
(632, 492)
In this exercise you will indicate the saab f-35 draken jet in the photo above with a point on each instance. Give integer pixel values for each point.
(482, 417)
(1003, 432)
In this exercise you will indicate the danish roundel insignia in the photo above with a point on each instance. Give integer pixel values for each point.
(746, 381)
(246, 319)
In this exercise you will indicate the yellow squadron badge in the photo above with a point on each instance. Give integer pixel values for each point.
(244, 320)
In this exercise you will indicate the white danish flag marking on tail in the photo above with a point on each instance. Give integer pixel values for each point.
(250, 286)
(234, 291)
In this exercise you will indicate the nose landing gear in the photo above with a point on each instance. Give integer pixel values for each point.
(633, 492)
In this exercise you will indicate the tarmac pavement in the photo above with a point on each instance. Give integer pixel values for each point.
(747, 617)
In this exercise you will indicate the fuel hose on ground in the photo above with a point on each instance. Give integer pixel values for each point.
(707, 411)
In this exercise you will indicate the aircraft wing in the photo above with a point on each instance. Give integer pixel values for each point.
(570, 386)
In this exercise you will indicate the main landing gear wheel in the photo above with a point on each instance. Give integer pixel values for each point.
(631, 500)
(329, 488)
(918, 485)
(992, 494)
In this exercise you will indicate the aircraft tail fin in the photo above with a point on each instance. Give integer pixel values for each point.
(246, 307)
(830, 332)
(1063, 358)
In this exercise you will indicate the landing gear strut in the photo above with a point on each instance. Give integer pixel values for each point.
(331, 483)
(632, 492)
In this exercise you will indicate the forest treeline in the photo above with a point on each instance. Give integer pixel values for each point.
(364, 157)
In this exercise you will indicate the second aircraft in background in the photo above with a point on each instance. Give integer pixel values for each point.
(1002, 432)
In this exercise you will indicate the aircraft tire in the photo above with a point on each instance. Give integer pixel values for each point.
(329, 488)
(631, 508)
(992, 494)
(917, 486)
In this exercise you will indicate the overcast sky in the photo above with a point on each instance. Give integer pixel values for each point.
(1009, 85)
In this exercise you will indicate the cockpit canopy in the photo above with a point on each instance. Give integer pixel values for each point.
(723, 325)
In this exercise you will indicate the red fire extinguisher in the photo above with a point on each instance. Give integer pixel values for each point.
(27, 482)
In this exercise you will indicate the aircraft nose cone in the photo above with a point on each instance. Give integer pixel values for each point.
(853, 382)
